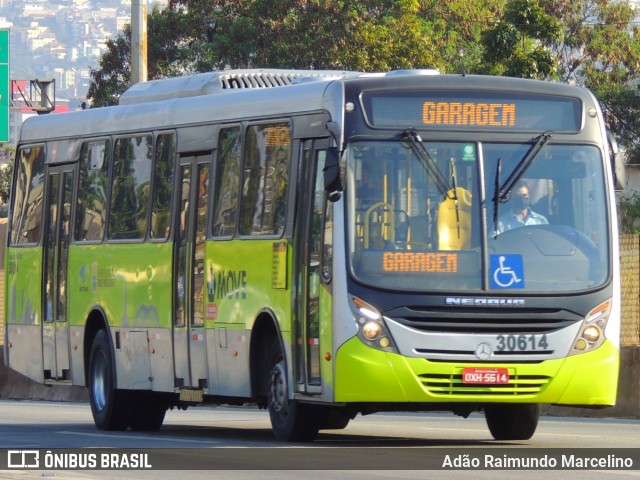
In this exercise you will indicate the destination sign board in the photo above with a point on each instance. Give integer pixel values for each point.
(475, 110)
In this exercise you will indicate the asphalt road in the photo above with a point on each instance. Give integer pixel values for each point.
(237, 443)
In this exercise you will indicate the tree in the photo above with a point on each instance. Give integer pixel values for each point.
(587, 42)
(517, 46)
(113, 76)
(165, 58)
(593, 43)
(7, 151)
(361, 35)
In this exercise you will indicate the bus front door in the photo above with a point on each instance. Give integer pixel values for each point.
(311, 315)
(189, 339)
(55, 328)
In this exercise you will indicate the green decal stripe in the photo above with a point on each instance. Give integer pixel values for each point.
(131, 283)
(23, 286)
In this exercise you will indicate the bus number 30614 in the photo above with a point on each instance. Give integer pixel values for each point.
(522, 343)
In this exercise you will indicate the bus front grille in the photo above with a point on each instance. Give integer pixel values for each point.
(494, 321)
(443, 384)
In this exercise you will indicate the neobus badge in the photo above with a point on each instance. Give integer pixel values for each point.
(490, 302)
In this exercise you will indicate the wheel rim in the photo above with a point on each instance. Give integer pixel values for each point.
(99, 386)
(278, 396)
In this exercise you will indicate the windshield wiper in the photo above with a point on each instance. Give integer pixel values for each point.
(501, 194)
(429, 164)
(496, 199)
(454, 188)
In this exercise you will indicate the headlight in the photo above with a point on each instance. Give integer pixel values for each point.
(371, 330)
(591, 334)
(371, 327)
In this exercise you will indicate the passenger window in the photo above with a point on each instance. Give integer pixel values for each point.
(130, 187)
(26, 211)
(227, 183)
(266, 171)
(163, 186)
(91, 208)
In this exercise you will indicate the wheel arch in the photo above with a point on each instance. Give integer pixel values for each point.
(96, 321)
(265, 330)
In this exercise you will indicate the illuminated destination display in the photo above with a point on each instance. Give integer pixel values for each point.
(469, 113)
(473, 110)
(277, 136)
(420, 262)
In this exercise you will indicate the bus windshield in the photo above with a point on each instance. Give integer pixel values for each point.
(435, 216)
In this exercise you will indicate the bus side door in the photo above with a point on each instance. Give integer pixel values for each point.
(189, 338)
(55, 327)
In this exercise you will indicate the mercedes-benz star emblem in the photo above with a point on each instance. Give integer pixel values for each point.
(484, 351)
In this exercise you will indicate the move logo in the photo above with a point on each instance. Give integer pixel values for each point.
(227, 284)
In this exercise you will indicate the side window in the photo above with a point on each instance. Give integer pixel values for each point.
(26, 211)
(163, 186)
(91, 208)
(130, 187)
(227, 178)
(266, 170)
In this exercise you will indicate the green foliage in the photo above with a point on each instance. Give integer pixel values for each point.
(7, 151)
(361, 35)
(166, 57)
(588, 42)
(629, 213)
(517, 45)
(113, 76)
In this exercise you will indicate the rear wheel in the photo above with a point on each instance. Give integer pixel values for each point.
(291, 420)
(512, 421)
(111, 408)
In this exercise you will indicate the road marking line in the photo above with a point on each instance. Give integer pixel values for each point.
(139, 437)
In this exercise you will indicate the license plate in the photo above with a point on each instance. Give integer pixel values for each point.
(485, 376)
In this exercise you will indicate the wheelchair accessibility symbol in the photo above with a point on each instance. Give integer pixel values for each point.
(507, 271)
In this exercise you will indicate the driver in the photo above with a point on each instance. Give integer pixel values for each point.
(521, 213)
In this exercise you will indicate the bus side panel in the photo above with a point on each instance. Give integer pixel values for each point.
(131, 283)
(239, 280)
(24, 312)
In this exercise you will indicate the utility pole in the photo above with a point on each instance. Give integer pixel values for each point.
(138, 41)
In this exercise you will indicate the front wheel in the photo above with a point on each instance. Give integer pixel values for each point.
(512, 421)
(291, 420)
(110, 407)
(148, 412)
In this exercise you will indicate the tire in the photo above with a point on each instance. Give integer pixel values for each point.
(110, 407)
(334, 418)
(512, 421)
(291, 421)
(148, 412)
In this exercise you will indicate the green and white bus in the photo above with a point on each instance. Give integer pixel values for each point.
(322, 245)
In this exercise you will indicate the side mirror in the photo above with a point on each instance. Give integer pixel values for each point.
(617, 163)
(333, 174)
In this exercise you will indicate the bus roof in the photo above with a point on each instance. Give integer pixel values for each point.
(177, 112)
(214, 83)
(230, 96)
